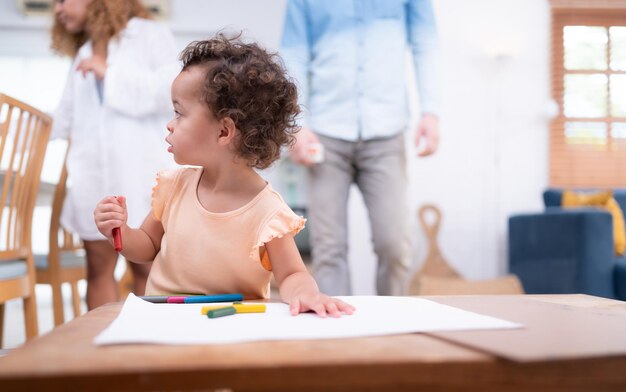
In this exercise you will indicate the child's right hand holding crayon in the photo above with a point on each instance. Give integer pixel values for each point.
(111, 213)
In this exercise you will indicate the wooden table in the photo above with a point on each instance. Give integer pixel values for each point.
(66, 359)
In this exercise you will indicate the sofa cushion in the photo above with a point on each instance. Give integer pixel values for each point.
(552, 196)
(603, 200)
(12, 269)
(68, 260)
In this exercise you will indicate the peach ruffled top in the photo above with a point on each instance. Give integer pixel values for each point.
(204, 252)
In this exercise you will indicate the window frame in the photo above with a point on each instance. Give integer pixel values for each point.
(584, 165)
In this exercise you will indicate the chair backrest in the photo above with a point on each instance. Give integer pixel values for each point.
(435, 263)
(24, 136)
(438, 277)
(65, 259)
(61, 240)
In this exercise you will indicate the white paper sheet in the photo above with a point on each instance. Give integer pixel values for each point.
(144, 322)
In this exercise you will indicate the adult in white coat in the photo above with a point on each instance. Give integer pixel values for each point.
(114, 110)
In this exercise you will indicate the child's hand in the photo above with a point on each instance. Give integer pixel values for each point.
(319, 303)
(110, 213)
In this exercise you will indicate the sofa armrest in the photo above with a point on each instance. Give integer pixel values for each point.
(563, 251)
(620, 278)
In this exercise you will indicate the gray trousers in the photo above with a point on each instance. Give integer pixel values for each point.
(378, 168)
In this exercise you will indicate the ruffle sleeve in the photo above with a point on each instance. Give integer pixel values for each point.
(162, 190)
(283, 222)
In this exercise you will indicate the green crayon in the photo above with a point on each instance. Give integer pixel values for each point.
(221, 312)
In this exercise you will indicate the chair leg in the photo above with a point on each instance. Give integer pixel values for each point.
(1, 324)
(75, 299)
(30, 316)
(126, 285)
(57, 303)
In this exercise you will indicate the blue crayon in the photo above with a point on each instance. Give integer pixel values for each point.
(201, 299)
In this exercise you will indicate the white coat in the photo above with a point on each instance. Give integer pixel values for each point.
(118, 143)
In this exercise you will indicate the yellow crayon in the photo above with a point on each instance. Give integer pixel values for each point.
(241, 308)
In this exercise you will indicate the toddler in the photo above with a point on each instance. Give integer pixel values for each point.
(219, 227)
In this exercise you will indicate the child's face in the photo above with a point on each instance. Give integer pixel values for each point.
(194, 130)
(72, 14)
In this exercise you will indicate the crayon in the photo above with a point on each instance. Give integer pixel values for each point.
(117, 233)
(221, 312)
(240, 308)
(155, 299)
(117, 239)
(192, 299)
(200, 299)
(249, 308)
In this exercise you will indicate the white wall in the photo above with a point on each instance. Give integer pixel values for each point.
(493, 156)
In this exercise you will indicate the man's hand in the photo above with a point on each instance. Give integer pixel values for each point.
(428, 132)
(299, 153)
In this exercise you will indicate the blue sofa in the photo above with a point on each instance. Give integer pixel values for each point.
(567, 250)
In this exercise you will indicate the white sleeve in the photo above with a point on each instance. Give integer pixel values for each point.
(64, 114)
(141, 92)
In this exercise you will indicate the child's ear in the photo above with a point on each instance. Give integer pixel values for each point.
(228, 131)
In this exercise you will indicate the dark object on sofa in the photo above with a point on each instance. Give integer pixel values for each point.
(562, 251)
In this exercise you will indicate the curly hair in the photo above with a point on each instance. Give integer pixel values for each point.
(105, 20)
(250, 86)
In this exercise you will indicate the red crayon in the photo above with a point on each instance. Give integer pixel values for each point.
(117, 239)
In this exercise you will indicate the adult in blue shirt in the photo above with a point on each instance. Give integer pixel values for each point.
(349, 58)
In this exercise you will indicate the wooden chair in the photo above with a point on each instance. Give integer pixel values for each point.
(65, 261)
(24, 135)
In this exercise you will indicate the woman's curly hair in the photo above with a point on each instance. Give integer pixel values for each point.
(249, 85)
(105, 20)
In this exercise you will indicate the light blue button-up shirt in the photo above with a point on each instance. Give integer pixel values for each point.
(349, 59)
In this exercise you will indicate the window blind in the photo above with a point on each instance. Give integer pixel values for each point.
(588, 136)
